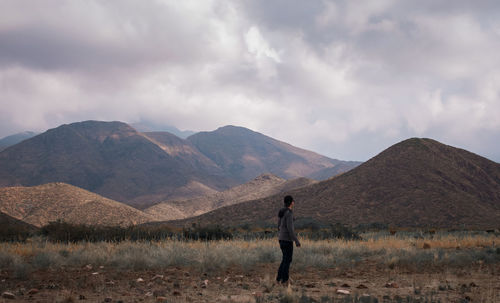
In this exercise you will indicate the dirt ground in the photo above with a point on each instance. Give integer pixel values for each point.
(364, 284)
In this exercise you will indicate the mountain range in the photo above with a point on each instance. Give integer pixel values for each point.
(116, 161)
(233, 176)
(417, 182)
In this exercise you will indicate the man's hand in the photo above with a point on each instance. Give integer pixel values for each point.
(297, 244)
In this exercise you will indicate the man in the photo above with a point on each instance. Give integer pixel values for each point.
(286, 238)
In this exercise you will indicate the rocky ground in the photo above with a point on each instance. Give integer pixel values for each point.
(364, 283)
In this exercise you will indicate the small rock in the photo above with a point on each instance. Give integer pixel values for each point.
(187, 274)
(101, 267)
(159, 293)
(204, 284)
(361, 286)
(139, 280)
(392, 285)
(149, 294)
(88, 266)
(33, 291)
(157, 277)
(95, 273)
(226, 279)
(110, 283)
(343, 291)
(161, 299)
(8, 295)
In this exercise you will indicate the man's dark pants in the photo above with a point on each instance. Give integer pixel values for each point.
(283, 271)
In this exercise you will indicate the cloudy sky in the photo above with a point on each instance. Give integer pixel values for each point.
(346, 79)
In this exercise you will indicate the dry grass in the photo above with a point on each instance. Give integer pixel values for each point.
(218, 255)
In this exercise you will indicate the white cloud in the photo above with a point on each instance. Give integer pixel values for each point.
(341, 78)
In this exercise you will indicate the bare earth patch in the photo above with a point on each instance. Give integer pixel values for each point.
(364, 282)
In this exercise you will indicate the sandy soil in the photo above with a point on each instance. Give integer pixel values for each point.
(89, 284)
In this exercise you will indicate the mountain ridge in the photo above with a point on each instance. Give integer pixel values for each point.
(414, 183)
(140, 169)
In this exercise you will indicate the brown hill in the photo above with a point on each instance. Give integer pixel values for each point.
(113, 160)
(262, 186)
(417, 182)
(245, 154)
(39, 205)
(7, 221)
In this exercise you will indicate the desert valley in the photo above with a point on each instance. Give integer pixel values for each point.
(103, 212)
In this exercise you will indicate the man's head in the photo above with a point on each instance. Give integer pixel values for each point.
(288, 201)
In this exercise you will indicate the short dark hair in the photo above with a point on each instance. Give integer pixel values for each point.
(288, 201)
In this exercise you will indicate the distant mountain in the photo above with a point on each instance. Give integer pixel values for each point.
(42, 204)
(114, 160)
(14, 139)
(154, 127)
(417, 182)
(111, 159)
(262, 186)
(245, 154)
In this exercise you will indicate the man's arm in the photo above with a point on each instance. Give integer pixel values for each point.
(291, 230)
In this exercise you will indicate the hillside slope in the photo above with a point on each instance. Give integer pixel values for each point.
(14, 139)
(42, 204)
(111, 159)
(417, 182)
(245, 154)
(262, 186)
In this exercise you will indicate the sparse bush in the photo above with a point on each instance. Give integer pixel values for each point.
(14, 233)
(65, 232)
(6, 260)
(267, 254)
(207, 233)
(45, 259)
(21, 269)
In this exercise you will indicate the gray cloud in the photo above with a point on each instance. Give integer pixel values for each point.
(343, 78)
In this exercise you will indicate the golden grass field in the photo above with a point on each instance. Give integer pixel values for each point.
(444, 267)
